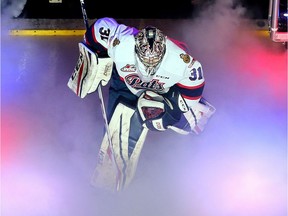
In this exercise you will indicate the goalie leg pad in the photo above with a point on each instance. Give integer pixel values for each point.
(195, 119)
(203, 112)
(128, 137)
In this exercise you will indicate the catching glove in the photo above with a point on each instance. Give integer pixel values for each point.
(157, 112)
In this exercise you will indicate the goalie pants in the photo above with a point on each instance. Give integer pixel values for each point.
(118, 92)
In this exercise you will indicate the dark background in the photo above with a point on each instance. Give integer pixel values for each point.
(256, 9)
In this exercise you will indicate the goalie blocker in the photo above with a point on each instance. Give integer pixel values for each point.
(89, 72)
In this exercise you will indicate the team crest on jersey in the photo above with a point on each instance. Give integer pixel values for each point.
(128, 68)
(116, 42)
(185, 57)
(135, 82)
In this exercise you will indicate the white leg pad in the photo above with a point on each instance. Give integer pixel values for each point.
(126, 157)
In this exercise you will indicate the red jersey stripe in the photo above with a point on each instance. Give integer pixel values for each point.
(190, 87)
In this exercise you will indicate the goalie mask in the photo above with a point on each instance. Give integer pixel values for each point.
(150, 48)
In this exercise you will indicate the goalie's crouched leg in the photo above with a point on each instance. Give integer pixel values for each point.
(128, 136)
(195, 120)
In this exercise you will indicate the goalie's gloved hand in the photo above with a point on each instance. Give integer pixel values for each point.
(157, 112)
(89, 72)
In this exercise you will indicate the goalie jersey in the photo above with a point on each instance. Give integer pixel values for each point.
(107, 38)
(156, 85)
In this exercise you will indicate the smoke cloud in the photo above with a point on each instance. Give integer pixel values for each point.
(237, 166)
(12, 9)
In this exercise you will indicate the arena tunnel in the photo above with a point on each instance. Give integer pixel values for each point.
(50, 137)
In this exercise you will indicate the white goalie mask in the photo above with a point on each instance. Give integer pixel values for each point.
(150, 47)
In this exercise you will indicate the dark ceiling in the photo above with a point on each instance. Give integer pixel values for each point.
(139, 9)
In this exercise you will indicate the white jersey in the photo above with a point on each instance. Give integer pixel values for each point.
(177, 67)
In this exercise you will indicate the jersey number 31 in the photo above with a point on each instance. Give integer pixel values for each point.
(196, 74)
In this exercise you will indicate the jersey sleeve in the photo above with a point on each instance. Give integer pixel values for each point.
(98, 34)
(101, 34)
(192, 86)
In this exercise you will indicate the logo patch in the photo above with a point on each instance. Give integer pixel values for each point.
(116, 42)
(128, 68)
(185, 57)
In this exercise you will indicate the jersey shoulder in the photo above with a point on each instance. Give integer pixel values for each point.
(106, 30)
(122, 49)
(176, 60)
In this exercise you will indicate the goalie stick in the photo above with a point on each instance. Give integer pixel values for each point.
(100, 94)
